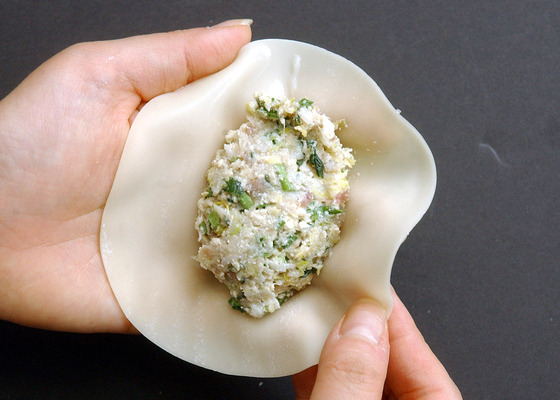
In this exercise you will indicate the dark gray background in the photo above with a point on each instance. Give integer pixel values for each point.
(479, 79)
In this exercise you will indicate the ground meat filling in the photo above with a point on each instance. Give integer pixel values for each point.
(274, 203)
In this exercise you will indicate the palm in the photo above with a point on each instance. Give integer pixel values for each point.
(55, 197)
(62, 132)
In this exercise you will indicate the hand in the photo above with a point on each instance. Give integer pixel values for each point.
(62, 131)
(356, 362)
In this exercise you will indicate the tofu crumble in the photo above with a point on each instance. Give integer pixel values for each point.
(274, 203)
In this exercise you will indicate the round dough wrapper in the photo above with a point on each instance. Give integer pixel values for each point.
(148, 239)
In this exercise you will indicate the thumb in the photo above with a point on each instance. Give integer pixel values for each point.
(142, 67)
(162, 62)
(353, 364)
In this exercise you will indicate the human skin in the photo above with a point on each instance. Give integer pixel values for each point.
(367, 356)
(62, 131)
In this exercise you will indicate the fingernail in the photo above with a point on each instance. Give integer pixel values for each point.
(235, 22)
(365, 320)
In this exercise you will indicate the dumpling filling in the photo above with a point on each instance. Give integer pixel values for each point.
(274, 203)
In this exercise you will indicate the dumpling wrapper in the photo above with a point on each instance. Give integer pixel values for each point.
(148, 239)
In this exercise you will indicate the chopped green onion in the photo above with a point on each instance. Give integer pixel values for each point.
(233, 187)
(287, 243)
(283, 177)
(274, 135)
(203, 228)
(270, 114)
(291, 239)
(214, 220)
(322, 210)
(235, 229)
(245, 200)
(330, 210)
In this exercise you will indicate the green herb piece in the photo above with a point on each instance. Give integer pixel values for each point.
(209, 193)
(330, 210)
(322, 210)
(287, 243)
(235, 229)
(272, 114)
(314, 159)
(283, 177)
(296, 120)
(267, 113)
(291, 239)
(235, 303)
(203, 227)
(282, 297)
(214, 220)
(302, 265)
(274, 135)
(314, 214)
(233, 187)
(305, 102)
(309, 271)
(245, 201)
